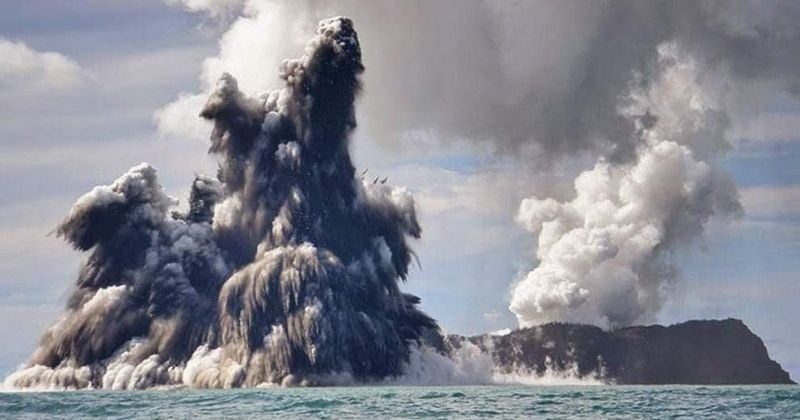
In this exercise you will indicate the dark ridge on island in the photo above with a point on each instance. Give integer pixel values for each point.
(707, 352)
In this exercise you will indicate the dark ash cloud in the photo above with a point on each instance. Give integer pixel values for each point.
(284, 269)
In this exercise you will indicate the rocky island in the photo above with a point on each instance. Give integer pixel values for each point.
(695, 352)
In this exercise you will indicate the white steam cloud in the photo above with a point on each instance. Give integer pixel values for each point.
(604, 256)
(22, 66)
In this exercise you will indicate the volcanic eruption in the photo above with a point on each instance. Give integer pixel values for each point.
(284, 270)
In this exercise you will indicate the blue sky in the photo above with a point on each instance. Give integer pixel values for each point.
(60, 137)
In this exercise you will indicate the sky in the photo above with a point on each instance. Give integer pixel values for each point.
(89, 89)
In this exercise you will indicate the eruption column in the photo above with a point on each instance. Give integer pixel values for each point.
(284, 270)
(606, 256)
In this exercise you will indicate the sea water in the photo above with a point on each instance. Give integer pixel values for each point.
(618, 402)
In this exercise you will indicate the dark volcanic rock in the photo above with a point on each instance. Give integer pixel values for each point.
(693, 352)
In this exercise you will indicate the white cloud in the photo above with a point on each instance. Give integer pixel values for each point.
(214, 8)
(22, 67)
(251, 49)
(768, 201)
(769, 127)
(180, 118)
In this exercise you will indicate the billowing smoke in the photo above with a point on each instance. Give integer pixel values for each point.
(650, 91)
(605, 257)
(284, 269)
(674, 77)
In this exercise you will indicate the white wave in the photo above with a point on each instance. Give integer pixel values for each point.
(471, 365)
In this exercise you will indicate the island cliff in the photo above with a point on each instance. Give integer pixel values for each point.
(693, 352)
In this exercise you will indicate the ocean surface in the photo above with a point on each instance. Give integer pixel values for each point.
(618, 402)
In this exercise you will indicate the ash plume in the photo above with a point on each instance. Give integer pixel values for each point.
(284, 269)
(606, 256)
(549, 81)
(549, 75)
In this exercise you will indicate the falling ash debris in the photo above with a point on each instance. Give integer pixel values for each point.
(284, 270)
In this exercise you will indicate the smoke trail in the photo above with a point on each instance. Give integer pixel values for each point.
(284, 270)
(605, 256)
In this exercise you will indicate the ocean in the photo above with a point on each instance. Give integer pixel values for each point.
(552, 402)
